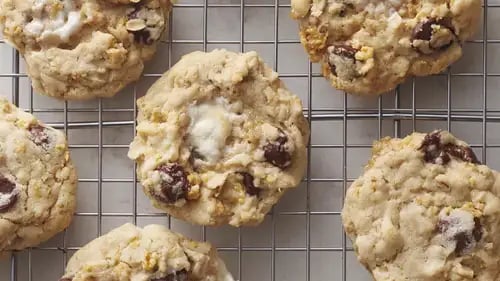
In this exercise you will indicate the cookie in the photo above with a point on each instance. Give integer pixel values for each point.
(84, 49)
(152, 253)
(425, 209)
(37, 180)
(219, 139)
(368, 47)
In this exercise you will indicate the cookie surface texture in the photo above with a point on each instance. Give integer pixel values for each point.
(219, 139)
(368, 47)
(84, 49)
(425, 209)
(152, 253)
(37, 180)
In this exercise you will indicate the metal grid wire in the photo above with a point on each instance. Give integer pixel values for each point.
(396, 113)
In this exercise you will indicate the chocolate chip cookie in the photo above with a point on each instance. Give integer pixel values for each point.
(219, 139)
(152, 253)
(425, 209)
(83, 49)
(37, 180)
(368, 47)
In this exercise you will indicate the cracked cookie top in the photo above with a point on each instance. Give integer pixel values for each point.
(219, 139)
(152, 253)
(78, 49)
(369, 47)
(37, 180)
(425, 209)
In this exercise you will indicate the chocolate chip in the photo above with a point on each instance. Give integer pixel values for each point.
(437, 153)
(250, 188)
(275, 152)
(427, 39)
(39, 135)
(175, 185)
(181, 275)
(7, 188)
(66, 279)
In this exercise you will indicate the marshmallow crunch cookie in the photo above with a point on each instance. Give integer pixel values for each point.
(77, 49)
(368, 47)
(37, 180)
(152, 253)
(219, 139)
(425, 209)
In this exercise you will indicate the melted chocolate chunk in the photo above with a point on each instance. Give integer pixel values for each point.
(143, 36)
(477, 232)
(181, 275)
(465, 240)
(175, 185)
(344, 51)
(433, 150)
(66, 279)
(276, 153)
(333, 68)
(461, 152)
(342, 60)
(250, 188)
(7, 188)
(194, 155)
(424, 31)
(437, 153)
(39, 135)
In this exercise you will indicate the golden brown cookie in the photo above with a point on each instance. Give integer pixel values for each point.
(368, 47)
(152, 253)
(425, 209)
(84, 49)
(37, 180)
(219, 139)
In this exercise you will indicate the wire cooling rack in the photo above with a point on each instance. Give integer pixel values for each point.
(302, 239)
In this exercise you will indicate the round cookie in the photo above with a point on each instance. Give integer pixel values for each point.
(425, 209)
(219, 139)
(37, 180)
(152, 253)
(368, 47)
(84, 49)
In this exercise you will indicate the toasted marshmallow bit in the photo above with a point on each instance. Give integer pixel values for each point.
(66, 22)
(209, 128)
